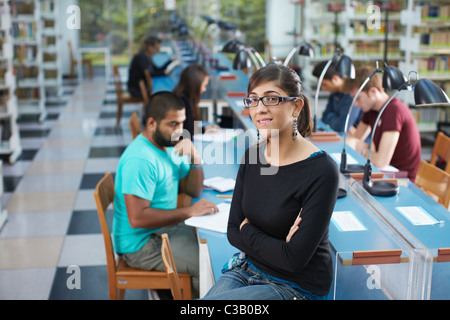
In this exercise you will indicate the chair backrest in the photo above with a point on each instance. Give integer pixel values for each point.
(149, 80)
(135, 126)
(441, 150)
(171, 270)
(117, 82)
(434, 181)
(104, 197)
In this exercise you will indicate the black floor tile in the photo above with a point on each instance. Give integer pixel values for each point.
(28, 154)
(35, 133)
(86, 222)
(93, 285)
(10, 183)
(112, 114)
(108, 131)
(106, 152)
(89, 180)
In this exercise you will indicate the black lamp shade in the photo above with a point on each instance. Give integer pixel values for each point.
(427, 92)
(242, 60)
(306, 50)
(393, 78)
(344, 66)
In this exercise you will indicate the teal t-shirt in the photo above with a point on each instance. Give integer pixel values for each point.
(149, 173)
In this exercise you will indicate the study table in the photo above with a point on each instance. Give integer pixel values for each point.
(384, 257)
(383, 246)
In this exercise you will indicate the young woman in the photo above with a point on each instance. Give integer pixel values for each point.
(143, 61)
(193, 82)
(280, 221)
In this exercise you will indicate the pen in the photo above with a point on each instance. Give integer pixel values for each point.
(224, 196)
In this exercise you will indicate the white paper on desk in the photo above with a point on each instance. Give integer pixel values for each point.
(337, 158)
(417, 215)
(220, 184)
(216, 222)
(346, 221)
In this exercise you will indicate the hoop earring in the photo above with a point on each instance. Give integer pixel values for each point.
(294, 129)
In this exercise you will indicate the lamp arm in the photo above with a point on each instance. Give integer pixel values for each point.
(258, 56)
(347, 119)
(252, 56)
(319, 84)
(290, 55)
(379, 116)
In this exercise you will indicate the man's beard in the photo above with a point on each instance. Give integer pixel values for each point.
(162, 141)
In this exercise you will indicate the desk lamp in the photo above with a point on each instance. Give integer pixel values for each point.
(244, 58)
(344, 66)
(304, 49)
(392, 80)
(426, 93)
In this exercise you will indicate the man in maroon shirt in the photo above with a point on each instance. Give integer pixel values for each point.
(397, 140)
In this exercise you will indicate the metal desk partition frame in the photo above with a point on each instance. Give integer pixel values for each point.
(373, 259)
(425, 224)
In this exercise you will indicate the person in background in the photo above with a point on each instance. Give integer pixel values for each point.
(279, 219)
(397, 138)
(151, 171)
(339, 102)
(142, 61)
(193, 82)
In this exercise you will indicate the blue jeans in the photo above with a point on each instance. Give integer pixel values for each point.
(245, 283)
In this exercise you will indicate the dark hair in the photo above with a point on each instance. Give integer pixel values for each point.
(331, 71)
(149, 41)
(159, 104)
(288, 80)
(189, 86)
(361, 75)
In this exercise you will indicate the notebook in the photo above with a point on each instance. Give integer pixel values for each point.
(220, 184)
(216, 222)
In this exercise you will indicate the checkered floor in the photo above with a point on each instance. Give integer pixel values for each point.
(52, 219)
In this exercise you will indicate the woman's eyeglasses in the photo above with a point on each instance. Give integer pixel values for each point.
(269, 101)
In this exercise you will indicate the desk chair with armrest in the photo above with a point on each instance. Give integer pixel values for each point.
(120, 275)
(435, 182)
(441, 150)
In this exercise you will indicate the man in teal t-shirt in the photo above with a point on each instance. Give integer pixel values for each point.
(148, 177)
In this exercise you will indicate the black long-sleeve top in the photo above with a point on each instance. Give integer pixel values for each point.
(272, 203)
(141, 62)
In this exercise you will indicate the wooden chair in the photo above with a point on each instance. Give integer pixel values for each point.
(122, 97)
(120, 275)
(135, 126)
(171, 269)
(149, 80)
(435, 182)
(144, 93)
(74, 63)
(441, 150)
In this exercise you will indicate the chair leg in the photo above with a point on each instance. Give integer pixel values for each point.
(121, 294)
(119, 113)
(185, 284)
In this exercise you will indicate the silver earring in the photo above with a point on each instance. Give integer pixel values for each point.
(294, 129)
